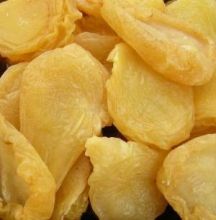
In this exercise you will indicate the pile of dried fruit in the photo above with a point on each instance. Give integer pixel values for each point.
(78, 66)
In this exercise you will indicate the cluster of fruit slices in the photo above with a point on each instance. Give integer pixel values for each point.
(77, 66)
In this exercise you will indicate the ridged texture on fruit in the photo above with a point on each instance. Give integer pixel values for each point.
(200, 15)
(72, 197)
(62, 103)
(122, 185)
(187, 178)
(28, 28)
(27, 189)
(9, 93)
(170, 46)
(144, 106)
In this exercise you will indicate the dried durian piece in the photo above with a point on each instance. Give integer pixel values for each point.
(99, 45)
(62, 103)
(27, 189)
(187, 178)
(199, 14)
(169, 46)
(94, 25)
(28, 28)
(90, 7)
(144, 106)
(9, 93)
(122, 185)
(72, 197)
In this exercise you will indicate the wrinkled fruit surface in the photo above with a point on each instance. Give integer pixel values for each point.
(144, 106)
(62, 103)
(122, 185)
(72, 197)
(187, 178)
(9, 93)
(27, 187)
(28, 28)
(170, 46)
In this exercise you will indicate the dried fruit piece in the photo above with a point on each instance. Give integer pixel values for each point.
(9, 93)
(72, 197)
(52, 22)
(144, 106)
(99, 45)
(62, 103)
(186, 178)
(94, 25)
(27, 187)
(199, 14)
(122, 185)
(169, 46)
(90, 7)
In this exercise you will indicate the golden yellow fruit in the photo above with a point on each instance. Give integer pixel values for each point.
(27, 189)
(9, 93)
(144, 106)
(62, 103)
(199, 14)
(187, 178)
(90, 7)
(72, 197)
(122, 185)
(94, 25)
(28, 28)
(99, 45)
(170, 46)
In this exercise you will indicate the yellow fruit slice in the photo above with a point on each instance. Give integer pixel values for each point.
(90, 7)
(187, 178)
(28, 28)
(27, 188)
(9, 93)
(99, 45)
(62, 103)
(170, 46)
(199, 14)
(144, 106)
(122, 185)
(72, 197)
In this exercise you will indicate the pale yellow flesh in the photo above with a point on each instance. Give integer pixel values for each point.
(39, 26)
(72, 197)
(62, 103)
(170, 46)
(27, 187)
(146, 107)
(122, 185)
(187, 178)
(201, 16)
(9, 93)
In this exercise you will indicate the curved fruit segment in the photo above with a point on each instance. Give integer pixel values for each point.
(99, 45)
(187, 178)
(170, 46)
(53, 23)
(27, 188)
(122, 185)
(201, 15)
(9, 93)
(62, 104)
(90, 7)
(144, 106)
(72, 197)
